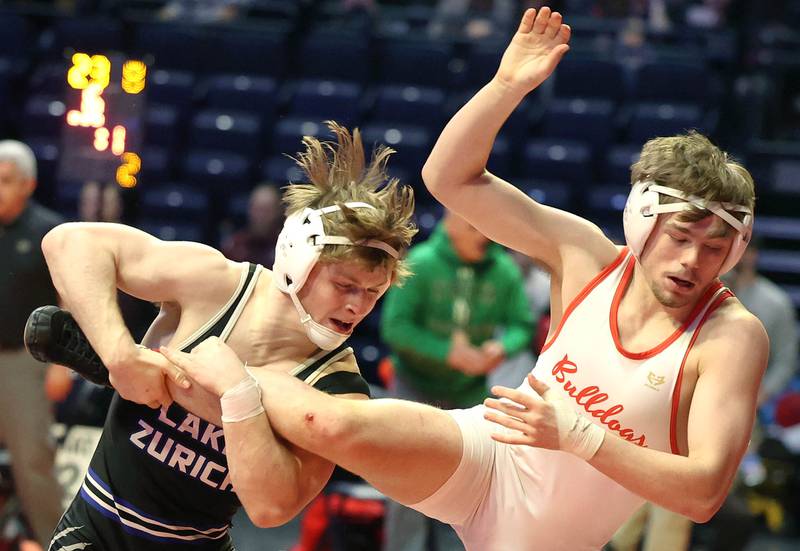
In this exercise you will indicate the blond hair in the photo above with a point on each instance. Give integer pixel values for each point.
(692, 164)
(338, 173)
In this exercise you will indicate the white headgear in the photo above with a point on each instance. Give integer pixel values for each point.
(299, 246)
(642, 208)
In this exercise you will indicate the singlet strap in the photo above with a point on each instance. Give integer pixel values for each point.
(323, 373)
(225, 319)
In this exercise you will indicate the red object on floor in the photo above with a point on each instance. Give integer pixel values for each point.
(787, 410)
(313, 526)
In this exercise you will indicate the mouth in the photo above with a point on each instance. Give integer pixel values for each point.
(342, 326)
(684, 284)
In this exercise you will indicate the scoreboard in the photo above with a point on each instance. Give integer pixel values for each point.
(103, 132)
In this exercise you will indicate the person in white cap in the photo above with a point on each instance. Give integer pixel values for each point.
(159, 477)
(646, 387)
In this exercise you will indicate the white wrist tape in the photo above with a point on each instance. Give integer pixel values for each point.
(576, 434)
(242, 401)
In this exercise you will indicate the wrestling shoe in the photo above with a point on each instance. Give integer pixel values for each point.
(52, 335)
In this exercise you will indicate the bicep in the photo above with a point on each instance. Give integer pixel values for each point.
(508, 216)
(166, 271)
(724, 401)
(314, 473)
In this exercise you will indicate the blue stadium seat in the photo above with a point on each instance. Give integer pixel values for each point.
(49, 78)
(260, 51)
(419, 105)
(558, 160)
(217, 170)
(482, 61)
(92, 35)
(781, 266)
(663, 81)
(47, 151)
(43, 116)
(618, 163)
(330, 54)
(604, 206)
(15, 36)
(236, 209)
(590, 78)
(412, 143)
(234, 131)
(172, 231)
(157, 166)
(424, 63)
(786, 177)
(500, 159)
(777, 228)
(282, 170)
(326, 100)
(174, 203)
(427, 216)
(609, 199)
(289, 131)
(66, 196)
(650, 120)
(171, 87)
(229, 91)
(162, 126)
(173, 46)
(579, 119)
(762, 156)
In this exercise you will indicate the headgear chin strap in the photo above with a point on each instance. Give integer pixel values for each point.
(298, 249)
(642, 210)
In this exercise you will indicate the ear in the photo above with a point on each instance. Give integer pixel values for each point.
(29, 186)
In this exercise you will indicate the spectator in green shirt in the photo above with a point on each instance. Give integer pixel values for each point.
(457, 318)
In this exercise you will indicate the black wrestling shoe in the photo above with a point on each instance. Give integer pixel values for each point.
(52, 335)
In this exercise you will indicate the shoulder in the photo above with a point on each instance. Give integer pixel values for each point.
(734, 334)
(731, 322)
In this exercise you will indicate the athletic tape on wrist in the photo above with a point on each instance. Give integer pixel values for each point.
(576, 434)
(243, 401)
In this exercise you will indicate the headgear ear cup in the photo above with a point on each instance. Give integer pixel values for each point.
(739, 245)
(638, 218)
(295, 254)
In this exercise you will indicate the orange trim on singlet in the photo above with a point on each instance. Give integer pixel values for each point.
(613, 315)
(676, 393)
(584, 293)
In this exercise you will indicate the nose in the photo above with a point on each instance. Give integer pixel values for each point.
(691, 256)
(358, 304)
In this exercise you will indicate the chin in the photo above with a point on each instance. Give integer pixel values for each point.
(672, 300)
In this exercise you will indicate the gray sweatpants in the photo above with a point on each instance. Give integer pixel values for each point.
(25, 419)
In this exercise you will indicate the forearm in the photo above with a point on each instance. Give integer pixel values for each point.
(264, 472)
(681, 484)
(463, 148)
(83, 270)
